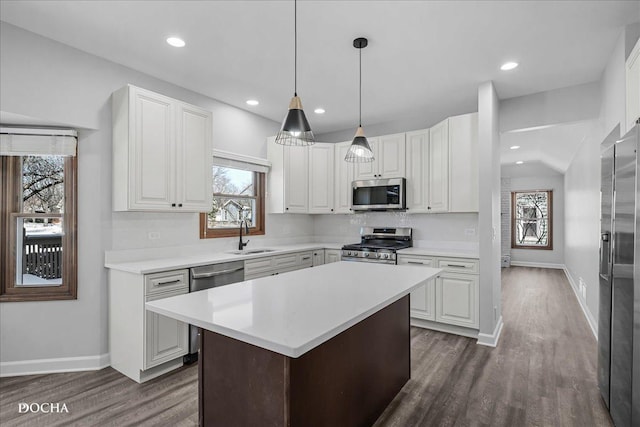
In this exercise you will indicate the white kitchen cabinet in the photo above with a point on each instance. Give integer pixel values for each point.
(332, 255)
(166, 338)
(423, 300)
(321, 178)
(464, 187)
(438, 168)
(344, 176)
(417, 171)
(452, 297)
(318, 257)
(633, 86)
(389, 158)
(457, 299)
(162, 153)
(288, 179)
(272, 265)
(142, 344)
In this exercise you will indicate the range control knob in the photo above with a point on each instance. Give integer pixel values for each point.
(366, 254)
(385, 256)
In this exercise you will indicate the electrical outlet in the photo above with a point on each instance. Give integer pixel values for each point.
(154, 235)
(470, 232)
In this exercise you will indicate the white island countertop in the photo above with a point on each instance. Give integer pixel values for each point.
(295, 312)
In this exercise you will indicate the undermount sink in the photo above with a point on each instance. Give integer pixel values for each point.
(251, 251)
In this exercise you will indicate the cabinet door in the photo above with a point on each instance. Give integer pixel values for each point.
(321, 178)
(439, 167)
(296, 179)
(152, 151)
(332, 255)
(463, 163)
(369, 170)
(422, 303)
(391, 156)
(194, 159)
(344, 176)
(457, 299)
(165, 338)
(417, 170)
(318, 257)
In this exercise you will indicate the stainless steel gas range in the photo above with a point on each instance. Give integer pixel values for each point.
(378, 244)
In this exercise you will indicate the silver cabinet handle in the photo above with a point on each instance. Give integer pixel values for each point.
(455, 265)
(215, 273)
(307, 257)
(415, 262)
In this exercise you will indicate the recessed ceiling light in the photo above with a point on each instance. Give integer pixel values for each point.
(508, 66)
(514, 147)
(319, 111)
(252, 102)
(176, 42)
(519, 162)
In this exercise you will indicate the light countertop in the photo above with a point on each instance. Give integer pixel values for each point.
(187, 259)
(295, 312)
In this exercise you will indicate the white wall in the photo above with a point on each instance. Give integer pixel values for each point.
(52, 82)
(489, 215)
(555, 257)
(582, 181)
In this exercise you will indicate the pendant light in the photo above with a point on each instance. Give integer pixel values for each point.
(295, 128)
(360, 150)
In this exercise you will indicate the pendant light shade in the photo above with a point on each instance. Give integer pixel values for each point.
(295, 128)
(360, 150)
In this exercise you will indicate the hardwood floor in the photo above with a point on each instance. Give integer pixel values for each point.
(543, 373)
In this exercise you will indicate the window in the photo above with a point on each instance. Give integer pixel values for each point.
(38, 259)
(238, 195)
(531, 220)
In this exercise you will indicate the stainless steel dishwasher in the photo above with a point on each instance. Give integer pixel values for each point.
(206, 277)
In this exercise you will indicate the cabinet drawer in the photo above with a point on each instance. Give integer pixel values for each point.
(254, 267)
(285, 261)
(166, 281)
(305, 259)
(415, 260)
(459, 265)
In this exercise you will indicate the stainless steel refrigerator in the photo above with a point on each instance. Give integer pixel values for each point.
(619, 311)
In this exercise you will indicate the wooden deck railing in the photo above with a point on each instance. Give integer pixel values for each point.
(42, 256)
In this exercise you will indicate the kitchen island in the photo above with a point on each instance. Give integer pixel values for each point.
(322, 346)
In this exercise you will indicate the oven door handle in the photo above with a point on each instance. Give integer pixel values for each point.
(215, 273)
(376, 261)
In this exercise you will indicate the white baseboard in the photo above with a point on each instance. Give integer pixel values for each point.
(443, 327)
(49, 366)
(537, 264)
(491, 340)
(593, 323)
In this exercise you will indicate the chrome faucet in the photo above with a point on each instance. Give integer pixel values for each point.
(242, 244)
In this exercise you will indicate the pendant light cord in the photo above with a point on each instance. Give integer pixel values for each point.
(360, 93)
(295, 48)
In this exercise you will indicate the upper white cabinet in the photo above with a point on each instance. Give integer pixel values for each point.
(428, 169)
(321, 178)
(389, 158)
(162, 153)
(463, 163)
(288, 180)
(442, 166)
(344, 176)
(633, 86)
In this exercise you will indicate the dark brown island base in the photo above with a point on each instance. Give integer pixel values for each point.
(347, 381)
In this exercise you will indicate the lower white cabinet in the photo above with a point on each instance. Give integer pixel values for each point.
(452, 297)
(457, 299)
(142, 344)
(318, 257)
(166, 338)
(332, 255)
(272, 265)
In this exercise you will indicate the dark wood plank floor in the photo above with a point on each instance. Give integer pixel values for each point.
(543, 373)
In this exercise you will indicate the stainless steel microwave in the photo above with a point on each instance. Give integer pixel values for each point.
(379, 195)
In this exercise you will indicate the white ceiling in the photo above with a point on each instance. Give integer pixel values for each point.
(423, 56)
